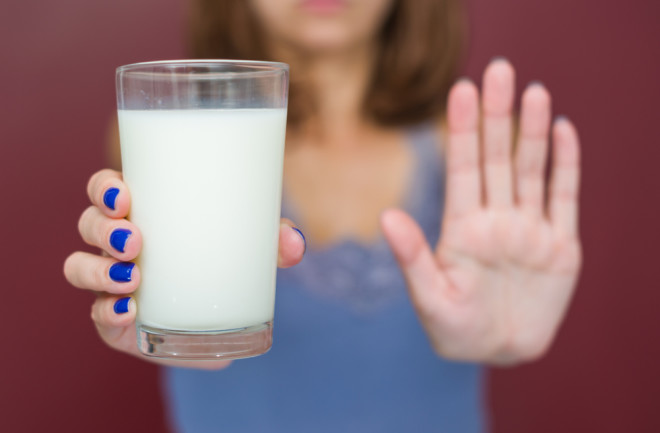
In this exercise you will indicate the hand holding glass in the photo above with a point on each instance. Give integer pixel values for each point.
(202, 144)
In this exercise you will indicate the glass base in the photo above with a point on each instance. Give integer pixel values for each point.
(230, 344)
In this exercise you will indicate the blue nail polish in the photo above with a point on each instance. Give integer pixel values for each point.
(302, 236)
(110, 196)
(121, 272)
(121, 306)
(118, 239)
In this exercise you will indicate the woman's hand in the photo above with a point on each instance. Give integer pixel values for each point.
(504, 270)
(114, 278)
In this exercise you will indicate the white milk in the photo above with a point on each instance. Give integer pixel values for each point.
(205, 193)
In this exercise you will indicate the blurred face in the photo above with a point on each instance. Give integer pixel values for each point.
(317, 26)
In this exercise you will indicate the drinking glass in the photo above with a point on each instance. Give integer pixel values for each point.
(202, 144)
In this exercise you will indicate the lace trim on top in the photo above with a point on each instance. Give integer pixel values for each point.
(365, 277)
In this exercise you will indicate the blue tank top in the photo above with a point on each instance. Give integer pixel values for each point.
(349, 354)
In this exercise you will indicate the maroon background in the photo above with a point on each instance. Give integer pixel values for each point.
(600, 60)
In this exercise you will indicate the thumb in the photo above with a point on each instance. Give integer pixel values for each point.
(414, 256)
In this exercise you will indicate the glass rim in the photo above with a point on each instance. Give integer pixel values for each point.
(252, 67)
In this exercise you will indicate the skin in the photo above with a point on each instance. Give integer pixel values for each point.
(499, 281)
(496, 286)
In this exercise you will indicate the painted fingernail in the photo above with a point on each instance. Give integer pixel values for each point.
(110, 196)
(499, 59)
(535, 83)
(118, 239)
(121, 306)
(121, 272)
(302, 236)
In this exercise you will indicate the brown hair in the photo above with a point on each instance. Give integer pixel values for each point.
(421, 42)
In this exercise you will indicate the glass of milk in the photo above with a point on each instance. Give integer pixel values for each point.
(202, 144)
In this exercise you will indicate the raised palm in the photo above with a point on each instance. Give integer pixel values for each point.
(498, 284)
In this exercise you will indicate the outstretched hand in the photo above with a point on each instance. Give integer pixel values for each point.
(499, 282)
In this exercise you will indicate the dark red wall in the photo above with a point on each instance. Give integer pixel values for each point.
(599, 58)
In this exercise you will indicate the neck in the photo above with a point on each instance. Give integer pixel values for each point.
(338, 82)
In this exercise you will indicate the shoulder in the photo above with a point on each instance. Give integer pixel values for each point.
(439, 129)
(429, 139)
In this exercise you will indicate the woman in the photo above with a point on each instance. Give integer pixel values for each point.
(370, 132)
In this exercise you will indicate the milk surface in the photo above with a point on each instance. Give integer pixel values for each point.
(205, 191)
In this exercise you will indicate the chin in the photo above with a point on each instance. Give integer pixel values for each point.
(320, 39)
(318, 26)
(319, 44)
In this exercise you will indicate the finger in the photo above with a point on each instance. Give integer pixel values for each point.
(101, 274)
(532, 149)
(497, 102)
(114, 317)
(565, 178)
(107, 191)
(118, 237)
(414, 256)
(463, 174)
(292, 244)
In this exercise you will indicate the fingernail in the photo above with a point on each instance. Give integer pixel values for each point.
(499, 59)
(122, 271)
(118, 239)
(561, 118)
(302, 236)
(464, 80)
(110, 196)
(121, 306)
(535, 83)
